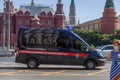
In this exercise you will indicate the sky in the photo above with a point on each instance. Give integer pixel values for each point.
(86, 10)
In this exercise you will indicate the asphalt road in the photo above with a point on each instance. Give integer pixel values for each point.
(13, 71)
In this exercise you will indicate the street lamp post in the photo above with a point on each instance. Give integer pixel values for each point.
(8, 25)
(4, 25)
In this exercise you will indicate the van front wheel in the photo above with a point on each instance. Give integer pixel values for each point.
(32, 63)
(90, 64)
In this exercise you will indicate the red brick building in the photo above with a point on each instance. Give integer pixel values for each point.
(33, 16)
(107, 24)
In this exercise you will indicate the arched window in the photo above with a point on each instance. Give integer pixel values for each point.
(50, 14)
(20, 12)
(27, 13)
(43, 13)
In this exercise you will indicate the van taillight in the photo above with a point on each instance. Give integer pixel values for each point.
(17, 54)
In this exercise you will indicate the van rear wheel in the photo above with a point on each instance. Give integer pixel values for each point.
(90, 64)
(32, 63)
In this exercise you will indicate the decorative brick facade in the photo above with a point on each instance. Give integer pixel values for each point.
(33, 16)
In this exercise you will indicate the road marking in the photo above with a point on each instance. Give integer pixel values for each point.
(90, 74)
(13, 72)
(23, 71)
(82, 75)
(57, 72)
(7, 73)
(98, 72)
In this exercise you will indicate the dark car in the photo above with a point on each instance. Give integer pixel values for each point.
(55, 46)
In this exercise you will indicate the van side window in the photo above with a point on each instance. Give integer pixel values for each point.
(39, 38)
(32, 41)
(24, 41)
(64, 42)
(79, 46)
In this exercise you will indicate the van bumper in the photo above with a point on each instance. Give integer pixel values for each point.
(101, 62)
(20, 60)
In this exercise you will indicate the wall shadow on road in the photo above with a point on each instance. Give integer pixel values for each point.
(62, 68)
(45, 68)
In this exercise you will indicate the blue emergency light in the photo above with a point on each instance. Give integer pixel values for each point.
(69, 28)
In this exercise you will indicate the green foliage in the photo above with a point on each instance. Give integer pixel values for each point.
(117, 36)
(94, 38)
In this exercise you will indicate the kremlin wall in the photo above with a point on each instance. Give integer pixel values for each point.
(107, 24)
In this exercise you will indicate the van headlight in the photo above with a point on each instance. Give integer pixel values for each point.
(101, 54)
(102, 60)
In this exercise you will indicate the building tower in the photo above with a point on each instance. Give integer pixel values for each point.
(109, 21)
(11, 6)
(59, 15)
(32, 3)
(72, 14)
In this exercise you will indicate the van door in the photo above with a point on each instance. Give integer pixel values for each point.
(80, 51)
(64, 46)
(75, 50)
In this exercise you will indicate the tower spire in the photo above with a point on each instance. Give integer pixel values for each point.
(109, 4)
(59, 1)
(72, 3)
(59, 7)
(32, 3)
(72, 14)
(9, 5)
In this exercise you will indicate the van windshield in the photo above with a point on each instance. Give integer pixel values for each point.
(86, 44)
(79, 46)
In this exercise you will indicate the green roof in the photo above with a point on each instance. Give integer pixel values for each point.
(59, 1)
(72, 3)
(109, 4)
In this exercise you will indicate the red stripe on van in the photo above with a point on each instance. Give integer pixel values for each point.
(71, 54)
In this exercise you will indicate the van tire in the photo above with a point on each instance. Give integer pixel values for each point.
(32, 63)
(90, 65)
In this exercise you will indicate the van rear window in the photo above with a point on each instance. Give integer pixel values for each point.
(43, 38)
(39, 37)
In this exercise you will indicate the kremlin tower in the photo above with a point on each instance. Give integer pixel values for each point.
(59, 15)
(11, 6)
(109, 21)
(72, 14)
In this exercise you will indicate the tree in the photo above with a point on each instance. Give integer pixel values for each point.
(94, 38)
